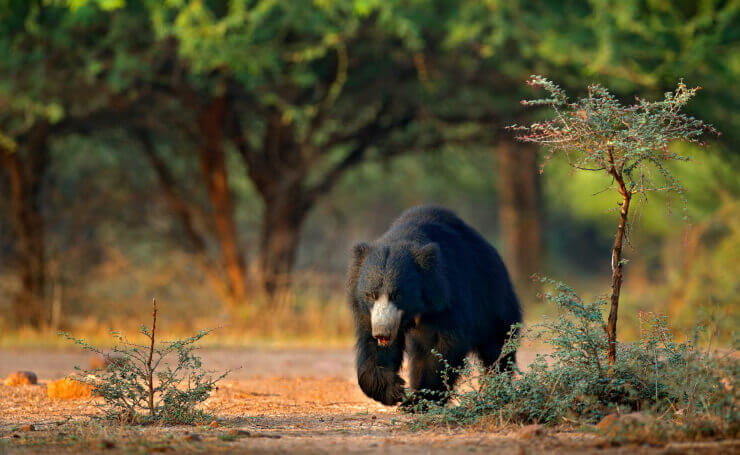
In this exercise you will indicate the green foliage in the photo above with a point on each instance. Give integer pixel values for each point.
(83, 66)
(598, 133)
(573, 384)
(147, 384)
(632, 46)
(60, 62)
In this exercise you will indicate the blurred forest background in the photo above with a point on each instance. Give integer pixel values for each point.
(223, 156)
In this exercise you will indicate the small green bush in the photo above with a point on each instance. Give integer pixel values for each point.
(574, 384)
(139, 384)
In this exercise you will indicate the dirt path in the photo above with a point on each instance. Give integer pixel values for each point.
(279, 401)
(243, 363)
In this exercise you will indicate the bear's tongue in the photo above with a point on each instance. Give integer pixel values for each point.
(383, 341)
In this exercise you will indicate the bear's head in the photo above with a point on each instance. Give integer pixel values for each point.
(396, 284)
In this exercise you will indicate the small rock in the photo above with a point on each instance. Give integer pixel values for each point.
(521, 451)
(28, 427)
(160, 449)
(530, 432)
(606, 423)
(68, 389)
(193, 437)
(21, 378)
(213, 424)
(107, 444)
(238, 432)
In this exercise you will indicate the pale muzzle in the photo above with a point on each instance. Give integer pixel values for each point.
(385, 319)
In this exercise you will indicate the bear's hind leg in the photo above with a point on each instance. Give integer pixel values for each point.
(490, 353)
(427, 373)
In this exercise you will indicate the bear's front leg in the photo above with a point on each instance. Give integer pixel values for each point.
(377, 369)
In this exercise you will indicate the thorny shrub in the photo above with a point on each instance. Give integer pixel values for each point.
(690, 389)
(156, 383)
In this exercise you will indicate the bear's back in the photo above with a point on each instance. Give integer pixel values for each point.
(481, 287)
(433, 223)
(428, 214)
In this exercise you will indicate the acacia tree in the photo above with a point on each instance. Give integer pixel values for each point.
(629, 144)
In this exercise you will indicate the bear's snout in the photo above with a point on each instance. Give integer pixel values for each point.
(385, 319)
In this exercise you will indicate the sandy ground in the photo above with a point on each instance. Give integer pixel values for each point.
(275, 401)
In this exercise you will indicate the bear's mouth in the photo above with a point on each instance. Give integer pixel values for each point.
(383, 340)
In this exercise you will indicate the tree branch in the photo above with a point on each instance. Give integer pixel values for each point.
(182, 209)
(366, 137)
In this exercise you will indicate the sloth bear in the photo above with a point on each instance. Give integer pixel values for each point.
(431, 282)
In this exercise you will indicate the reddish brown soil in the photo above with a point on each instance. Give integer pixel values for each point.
(288, 401)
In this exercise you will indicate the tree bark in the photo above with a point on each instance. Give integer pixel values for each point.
(26, 178)
(186, 213)
(282, 221)
(611, 327)
(519, 214)
(279, 171)
(213, 169)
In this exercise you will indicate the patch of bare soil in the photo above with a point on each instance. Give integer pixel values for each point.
(303, 402)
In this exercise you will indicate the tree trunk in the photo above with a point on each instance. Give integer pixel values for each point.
(611, 328)
(25, 201)
(281, 228)
(519, 214)
(213, 168)
(186, 213)
(280, 171)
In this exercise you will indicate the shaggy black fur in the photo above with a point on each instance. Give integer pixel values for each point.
(454, 291)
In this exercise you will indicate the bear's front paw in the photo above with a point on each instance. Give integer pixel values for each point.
(393, 391)
(396, 392)
(382, 385)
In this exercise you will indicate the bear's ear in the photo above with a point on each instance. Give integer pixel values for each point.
(359, 253)
(427, 256)
(435, 290)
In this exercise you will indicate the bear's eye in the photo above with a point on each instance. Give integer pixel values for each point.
(372, 295)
